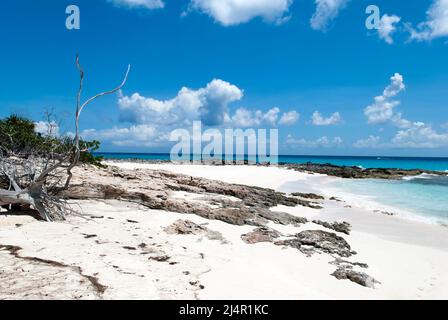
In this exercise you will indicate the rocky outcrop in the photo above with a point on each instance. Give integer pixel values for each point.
(356, 172)
(234, 204)
(261, 235)
(343, 227)
(251, 196)
(312, 241)
(312, 196)
(344, 263)
(187, 227)
(361, 278)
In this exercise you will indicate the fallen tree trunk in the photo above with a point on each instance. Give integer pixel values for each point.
(15, 197)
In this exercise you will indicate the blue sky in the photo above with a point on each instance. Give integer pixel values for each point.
(314, 71)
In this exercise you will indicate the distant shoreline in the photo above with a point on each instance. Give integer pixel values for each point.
(289, 156)
(422, 165)
(350, 172)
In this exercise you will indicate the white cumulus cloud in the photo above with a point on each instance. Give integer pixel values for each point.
(326, 11)
(210, 104)
(245, 118)
(420, 135)
(388, 27)
(319, 120)
(370, 142)
(383, 108)
(410, 134)
(148, 4)
(248, 118)
(289, 118)
(436, 24)
(134, 136)
(151, 120)
(234, 12)
(320, 142)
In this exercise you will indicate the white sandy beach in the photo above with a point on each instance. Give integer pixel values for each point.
(121, 249)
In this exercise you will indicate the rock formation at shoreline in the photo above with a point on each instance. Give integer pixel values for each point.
(234, 204)
(348, 172)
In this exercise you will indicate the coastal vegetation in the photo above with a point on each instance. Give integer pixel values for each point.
(18, 137)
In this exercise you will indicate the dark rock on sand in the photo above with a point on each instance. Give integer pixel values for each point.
(261, 235)
(281, 217)
(357, 172)
(308, 196)
(344, 263)
(385, 212)
(343, 227)
(335, 199)
(310, 241)
(361, 278)
(164, 258)
(186, 227)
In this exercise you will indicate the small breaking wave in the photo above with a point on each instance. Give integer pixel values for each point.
(421, 176)
(428, 179)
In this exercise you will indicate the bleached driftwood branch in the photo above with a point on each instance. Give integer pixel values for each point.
(21, 185)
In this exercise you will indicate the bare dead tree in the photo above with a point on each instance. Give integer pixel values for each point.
(36, 180)
(53, 123)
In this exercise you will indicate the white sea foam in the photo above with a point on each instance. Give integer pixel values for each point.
(421, 176)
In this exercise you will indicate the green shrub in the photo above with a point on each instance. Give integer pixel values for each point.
(88, 156)
(18, 137)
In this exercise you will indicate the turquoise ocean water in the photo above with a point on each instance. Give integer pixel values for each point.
(437, 164)
(425, 196)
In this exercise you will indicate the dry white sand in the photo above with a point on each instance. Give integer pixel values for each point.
(409, 258)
